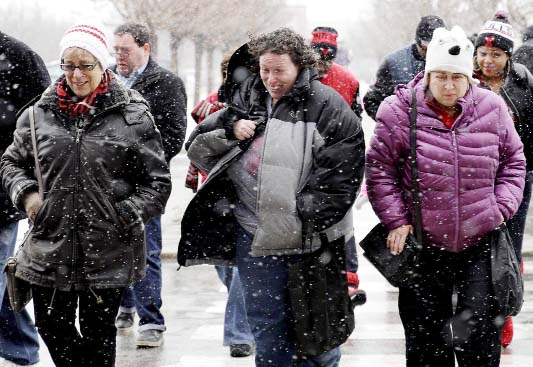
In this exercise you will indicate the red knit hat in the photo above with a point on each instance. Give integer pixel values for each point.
(324, 41)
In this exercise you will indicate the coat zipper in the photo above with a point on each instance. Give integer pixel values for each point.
(79, 132)
(456, 169)
(260, 170)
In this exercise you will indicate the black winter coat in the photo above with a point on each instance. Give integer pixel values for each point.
(309, 174)
(23, 76)
(399, 67)
(102, 178)
(165, 93)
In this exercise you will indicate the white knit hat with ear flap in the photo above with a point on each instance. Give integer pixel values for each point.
(450, 51)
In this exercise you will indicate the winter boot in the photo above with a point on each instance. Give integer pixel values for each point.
(507, 332)
(358, 296)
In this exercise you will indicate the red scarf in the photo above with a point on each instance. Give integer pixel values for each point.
(447, 118)
(72, 105)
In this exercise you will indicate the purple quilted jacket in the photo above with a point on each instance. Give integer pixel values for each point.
(470, 175)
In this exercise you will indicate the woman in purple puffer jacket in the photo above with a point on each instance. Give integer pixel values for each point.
(471, 171)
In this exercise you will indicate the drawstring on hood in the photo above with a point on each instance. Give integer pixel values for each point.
(99, 299)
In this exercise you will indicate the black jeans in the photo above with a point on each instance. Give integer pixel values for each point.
(428, 314)
(96, 346)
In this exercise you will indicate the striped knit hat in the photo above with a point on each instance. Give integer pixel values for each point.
(89, 38)
(497, 32)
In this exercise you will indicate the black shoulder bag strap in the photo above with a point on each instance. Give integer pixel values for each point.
(34, 144)
(414, 169)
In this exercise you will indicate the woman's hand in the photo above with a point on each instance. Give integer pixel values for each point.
(396, 238)
(243, 129)
(32, 203)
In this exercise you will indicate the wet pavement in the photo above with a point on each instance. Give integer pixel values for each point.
(194, 301)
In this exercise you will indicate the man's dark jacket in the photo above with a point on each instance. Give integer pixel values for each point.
(23, 76)
(165, 93)
(399, 67)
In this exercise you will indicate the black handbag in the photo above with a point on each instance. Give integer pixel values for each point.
(399, 270)
(507, 280)
(19, 290)
(322, 312)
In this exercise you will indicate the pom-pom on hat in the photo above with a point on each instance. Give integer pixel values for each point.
(497, 32)
(324, 41)
(450, 51)
(88, 37)
(425, 28)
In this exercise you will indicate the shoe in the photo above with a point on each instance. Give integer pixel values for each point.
(150, 338)
(507, 332)
(7, 363)
(358, 296)
(240, 350)
(124, 320)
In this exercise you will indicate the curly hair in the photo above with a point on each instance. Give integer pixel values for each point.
(284, 41)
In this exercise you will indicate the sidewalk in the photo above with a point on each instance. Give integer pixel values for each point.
(176, 205)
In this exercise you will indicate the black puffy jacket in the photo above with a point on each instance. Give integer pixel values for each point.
(399, 67)
(102, 178)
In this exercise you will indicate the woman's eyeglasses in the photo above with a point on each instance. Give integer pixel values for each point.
(83, 67)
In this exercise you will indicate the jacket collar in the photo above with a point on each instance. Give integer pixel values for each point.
(150, 72)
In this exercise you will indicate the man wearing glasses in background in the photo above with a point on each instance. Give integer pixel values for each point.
(166, 96)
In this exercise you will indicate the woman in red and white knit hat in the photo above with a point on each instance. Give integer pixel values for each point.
(102, 174)
(496, 71)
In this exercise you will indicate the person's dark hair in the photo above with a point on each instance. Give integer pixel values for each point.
(284, 41)
(139, 32)
(426, 27)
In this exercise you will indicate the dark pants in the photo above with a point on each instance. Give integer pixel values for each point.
(352, 263)
(96, 346)
(265, 285)
(145, 295)
(517, 223)
(428, 315)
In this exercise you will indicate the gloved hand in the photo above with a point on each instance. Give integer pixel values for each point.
(32, 203)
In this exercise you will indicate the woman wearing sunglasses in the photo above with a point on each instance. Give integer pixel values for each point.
(103, 174)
